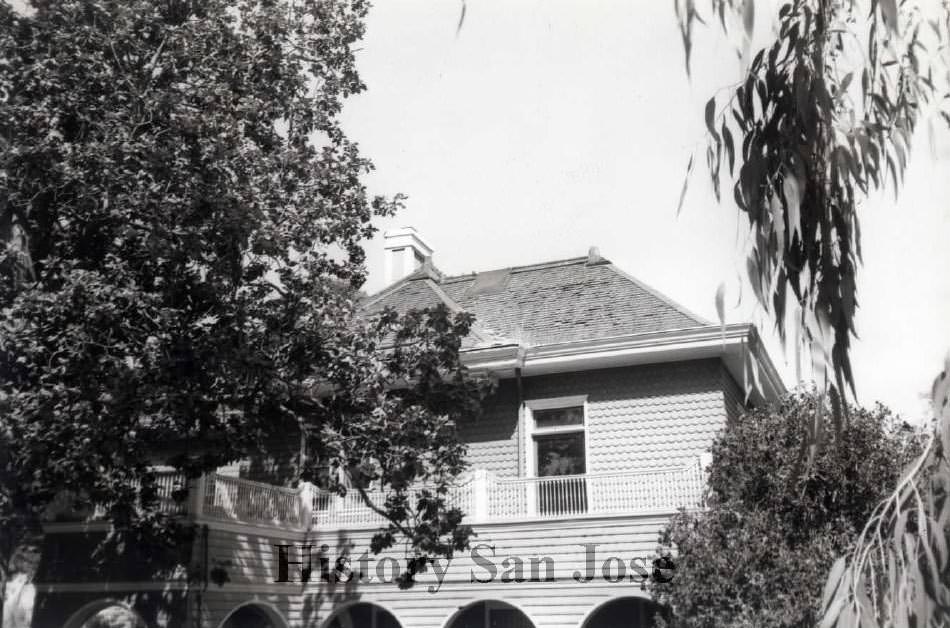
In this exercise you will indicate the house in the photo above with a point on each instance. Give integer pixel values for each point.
(609, 395)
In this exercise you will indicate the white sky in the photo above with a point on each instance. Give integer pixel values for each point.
(548, 126)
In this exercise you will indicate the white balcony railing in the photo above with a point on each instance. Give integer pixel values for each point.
(329, 509)
(482, 496)
(231, 498)
(609, 493)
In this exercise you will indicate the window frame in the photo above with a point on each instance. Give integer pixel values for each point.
(531, 430)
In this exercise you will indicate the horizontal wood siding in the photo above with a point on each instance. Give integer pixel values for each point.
(78, 557)
(551, 599)
(157, 608)
(562, 603)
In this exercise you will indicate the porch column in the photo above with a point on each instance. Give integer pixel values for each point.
(196, 496)
(305, 498)
(480, 487)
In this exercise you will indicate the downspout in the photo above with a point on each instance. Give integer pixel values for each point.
(519, 365)
(201, 576)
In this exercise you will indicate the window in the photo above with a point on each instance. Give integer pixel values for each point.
(556, 446)
(558, 417)
(560, 454)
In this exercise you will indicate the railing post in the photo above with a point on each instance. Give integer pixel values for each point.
(705, 459)
(196, 496)
(338, 514)
(531, 496)
(305, 496)
(589, 493)
(480, 488)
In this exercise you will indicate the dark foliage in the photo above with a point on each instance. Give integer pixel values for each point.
(760, 554)
(182, 219)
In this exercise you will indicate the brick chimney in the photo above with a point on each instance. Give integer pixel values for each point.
(406, 251)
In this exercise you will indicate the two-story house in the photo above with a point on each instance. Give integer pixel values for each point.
(608, 399)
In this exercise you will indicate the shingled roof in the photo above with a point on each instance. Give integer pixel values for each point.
(583, 298)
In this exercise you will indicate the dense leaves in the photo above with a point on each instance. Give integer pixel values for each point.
(898, 574)
(758, 556)
(182, 221)
(823, 115)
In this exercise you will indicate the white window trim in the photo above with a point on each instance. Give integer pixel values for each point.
(553, 403)
(530, 431)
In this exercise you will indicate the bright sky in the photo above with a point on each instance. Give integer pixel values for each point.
(548, 126)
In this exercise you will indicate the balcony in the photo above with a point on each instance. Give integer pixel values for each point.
(484, 497)
(169, 484)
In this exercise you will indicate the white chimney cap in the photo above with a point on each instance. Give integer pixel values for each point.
(406, 236)
(406, 251)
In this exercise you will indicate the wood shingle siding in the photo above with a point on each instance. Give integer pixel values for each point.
(492, 438)
(638, 417)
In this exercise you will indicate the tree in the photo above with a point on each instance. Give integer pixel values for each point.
(182, 218)
(822, 115)
(757, 557)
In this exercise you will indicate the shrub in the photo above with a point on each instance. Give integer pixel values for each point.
(759, 555)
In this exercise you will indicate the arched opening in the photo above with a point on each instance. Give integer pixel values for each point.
(106, 614)
(490, 614)
(625, 612)
(253, 616)
(364, 615)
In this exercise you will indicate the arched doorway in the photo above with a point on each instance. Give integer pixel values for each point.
(625, 612)
(490, 614)
(105, 614)
(363, 615)
(253, 616)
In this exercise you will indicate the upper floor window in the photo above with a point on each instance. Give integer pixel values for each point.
(557, 440)
(558, 417)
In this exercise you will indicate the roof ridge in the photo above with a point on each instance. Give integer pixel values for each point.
(449, 302)
(520, 269)
(480, 332)
(387, 290)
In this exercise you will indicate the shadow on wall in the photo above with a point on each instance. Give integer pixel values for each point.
(300, 603)
(85, 558)
(332, 594)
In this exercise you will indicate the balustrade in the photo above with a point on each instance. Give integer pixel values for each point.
(482, 496)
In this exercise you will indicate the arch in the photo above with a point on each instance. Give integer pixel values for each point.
(359, 614)
(624, 612)
(489, 613)
(105, 612)
(254, 614)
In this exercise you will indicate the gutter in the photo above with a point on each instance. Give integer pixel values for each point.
(728, 343)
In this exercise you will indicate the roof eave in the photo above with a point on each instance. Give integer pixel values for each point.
(730, 343)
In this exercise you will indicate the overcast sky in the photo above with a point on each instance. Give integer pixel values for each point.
(549, 126)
